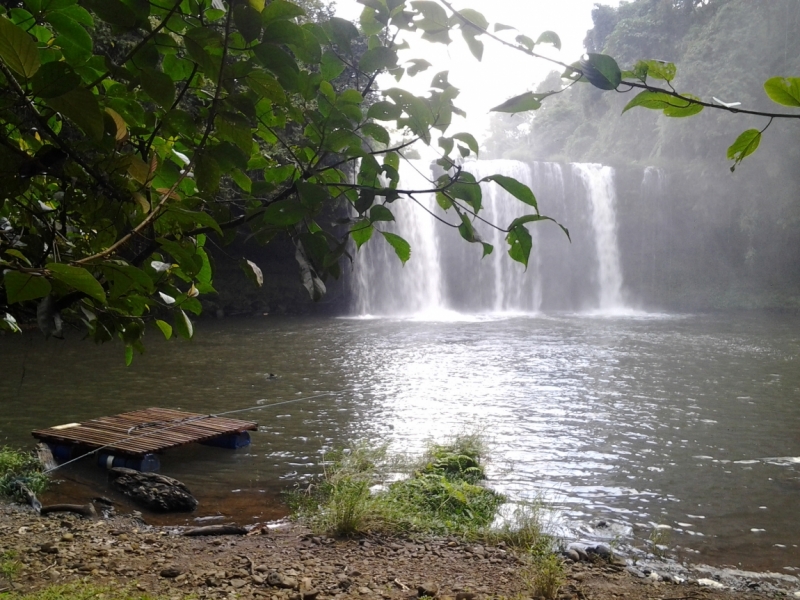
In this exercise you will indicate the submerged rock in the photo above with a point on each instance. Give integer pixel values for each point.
(156, 492)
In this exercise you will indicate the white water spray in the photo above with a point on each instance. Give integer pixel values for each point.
(446, 275)
(383, 285)
(599, 183)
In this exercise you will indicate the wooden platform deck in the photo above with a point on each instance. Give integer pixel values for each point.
(141, 432)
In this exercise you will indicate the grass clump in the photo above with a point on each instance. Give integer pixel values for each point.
(441, 493)
(9, 566)
(525, 530)
(544, 575)
(80, 590)
(341, 502)
(18, 467)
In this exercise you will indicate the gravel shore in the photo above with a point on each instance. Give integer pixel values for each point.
(286, 561)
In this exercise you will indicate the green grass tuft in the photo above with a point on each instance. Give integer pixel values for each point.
(442, 493)
(81, 590)
(544, 575)
(24, 467)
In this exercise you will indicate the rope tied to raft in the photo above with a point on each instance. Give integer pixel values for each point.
(180, 422)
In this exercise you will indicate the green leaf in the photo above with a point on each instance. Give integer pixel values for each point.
(284, 213)
(21, 287)
(467, 230)
(54, 79)
(744, 146)
(165, 328)
(602, 71)
(159, 86)
(74, 40)
(487, 249)
(183, 325)
(283, 32)
(81, 107)
(235, 129)
(515, 188)
(78, 278)
(380, 213)
(19, 255)
(474, 18)
(783, 90)
(112, 12)
(444, 201)
(550, 37)
(331, 66)
(18, 49)
(434, 23)
(280, 9)
(207, 173)
(469, 140)
(128, 355)
(248, 21)
(279, 62)
(524, 40)
(312, 196)
(341, 32)
(656, 69)
(500, 27)
(378, 59)
(384, 111)
(361, 232)
(266, 86)
(124, 277)
(475, 45)
(252, 271)
(401, 247)
(468, 191)
(520, 244)
(522, 103)
(672, 106)
(417, 66)
(376, 132)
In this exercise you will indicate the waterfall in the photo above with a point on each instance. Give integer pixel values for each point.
(446, 274)
(599, 182)
(383, 285)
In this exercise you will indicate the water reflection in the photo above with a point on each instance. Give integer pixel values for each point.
(640, 421)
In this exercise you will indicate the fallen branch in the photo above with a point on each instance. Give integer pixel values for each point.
(216, 530)
(86, 510)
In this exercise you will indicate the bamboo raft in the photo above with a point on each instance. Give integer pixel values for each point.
(129, 438)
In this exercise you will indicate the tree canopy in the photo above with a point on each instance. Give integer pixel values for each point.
(132, 130)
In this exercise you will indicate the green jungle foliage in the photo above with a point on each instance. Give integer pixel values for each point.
(136, 132)
(709, 238)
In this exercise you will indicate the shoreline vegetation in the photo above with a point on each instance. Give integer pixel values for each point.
(372, 527)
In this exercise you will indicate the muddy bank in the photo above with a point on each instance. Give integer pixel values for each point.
(285, 561)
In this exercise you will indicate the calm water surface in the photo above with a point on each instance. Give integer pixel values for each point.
(691, 422)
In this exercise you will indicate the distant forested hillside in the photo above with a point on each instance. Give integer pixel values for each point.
(712, 238)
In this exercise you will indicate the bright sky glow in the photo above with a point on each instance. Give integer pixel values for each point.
(503, 72)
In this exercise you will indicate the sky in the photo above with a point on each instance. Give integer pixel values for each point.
(503, 72)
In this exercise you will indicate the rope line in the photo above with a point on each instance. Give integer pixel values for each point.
(185, 421)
